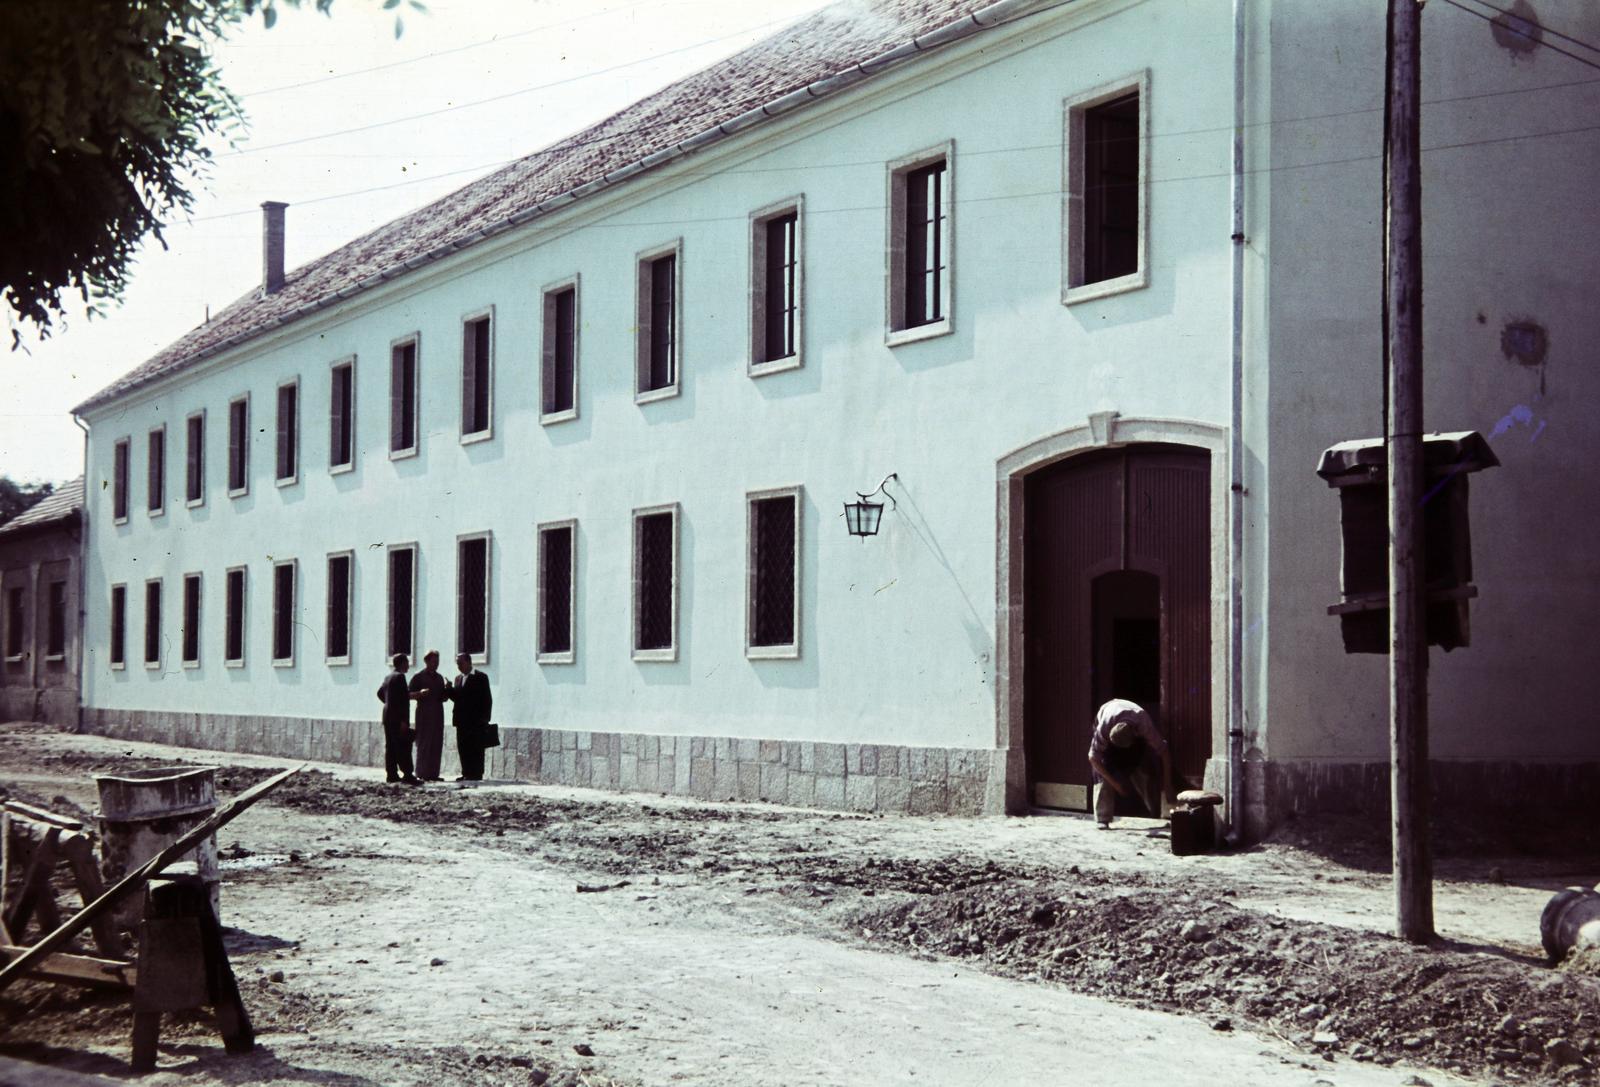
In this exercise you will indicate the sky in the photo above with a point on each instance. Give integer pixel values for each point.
(498, 78)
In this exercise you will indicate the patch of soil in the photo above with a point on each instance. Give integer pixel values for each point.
(1330, 989)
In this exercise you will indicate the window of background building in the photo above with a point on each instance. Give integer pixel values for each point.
(234, 618)
(1105, 215)
(659, 339)
(655, 583)
(557, 580)
(920, 221)
(403, 408)
(191, 619)
(477, 376)
(156, 472)
(16, 623)
(402, 623)
(775, 288)
(284, 612)
(119, 481)
(239, 446)
(288, 464)
(194, 476)
(559, 377)
(152, 623)
(55, 626)
(773, 601)
(342, 417)
(341, 587)
(119, 626)
(472, 596)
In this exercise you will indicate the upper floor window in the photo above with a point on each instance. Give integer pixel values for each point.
(403, 407)
(559, 376)
(284, 611)
(239, 446)
(119, 626)
(772, 616)
(119, 481)
(920, 217)
(342, 417)
(477, 376)
(288, 463)
(156, 472)
(194, 476)
(659, 340)
(775, 288)
(1106, 208)
(472, 596)
(655, 583)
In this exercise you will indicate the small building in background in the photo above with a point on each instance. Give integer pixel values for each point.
(40, 616)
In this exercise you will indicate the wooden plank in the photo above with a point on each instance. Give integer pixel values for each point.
(40, 865)
(80, 857)
(83, 970)
(43, 815)
(139, 876)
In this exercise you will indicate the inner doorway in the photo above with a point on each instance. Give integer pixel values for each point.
(1116, 600)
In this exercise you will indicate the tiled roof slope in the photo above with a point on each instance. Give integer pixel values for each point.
(58, 507)
(830, 42)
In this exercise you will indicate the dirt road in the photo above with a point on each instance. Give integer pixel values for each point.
(441, 937)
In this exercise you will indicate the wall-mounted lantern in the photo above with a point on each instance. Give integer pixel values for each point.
(862, 517)
(1359, 471)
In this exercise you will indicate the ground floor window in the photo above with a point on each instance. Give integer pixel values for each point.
(655, 583)
(472, 596)
(283, 612)
(557, 567)
(191, 619)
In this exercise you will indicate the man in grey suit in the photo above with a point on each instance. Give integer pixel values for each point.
(396, 699)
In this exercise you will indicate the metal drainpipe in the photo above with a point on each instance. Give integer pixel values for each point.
(83, 570)
(1236, 490)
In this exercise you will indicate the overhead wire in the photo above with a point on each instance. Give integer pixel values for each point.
(1542, 44)
(1541, 27)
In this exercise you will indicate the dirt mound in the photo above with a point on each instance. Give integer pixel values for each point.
(1334, 990)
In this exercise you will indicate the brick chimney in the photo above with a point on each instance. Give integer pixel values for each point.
(272, 246)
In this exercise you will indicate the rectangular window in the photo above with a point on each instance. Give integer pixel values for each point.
(191, 619)
(402, 600)
(655, 584)
(557, 577)
(119, 626)
(342, 417)
(472, 596)
(403, 398)
(194, 476)
(1105, 214)
(55, 622)
(772, 621)
(16, 623)
(288, 469)
(152, 623)
(775, 289)
(284, 616)
(659, 341)
(239, 446)
(119, 481)
(920, 213)
(340, 588)
(156, 472)
(477, 376)
(559, 395)
(234, 606)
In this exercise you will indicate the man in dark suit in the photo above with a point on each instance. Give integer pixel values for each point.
(396, 699)
(472, 706)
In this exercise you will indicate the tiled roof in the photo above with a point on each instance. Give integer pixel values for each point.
(838, 42)
(64, 503)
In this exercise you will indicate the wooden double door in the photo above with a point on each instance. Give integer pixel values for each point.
(1116, 604)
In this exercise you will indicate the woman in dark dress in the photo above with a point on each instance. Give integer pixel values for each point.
(427, 689)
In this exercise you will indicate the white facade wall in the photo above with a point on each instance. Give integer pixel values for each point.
(898, 632)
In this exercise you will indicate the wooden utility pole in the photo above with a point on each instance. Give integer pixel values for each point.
(1408, 643)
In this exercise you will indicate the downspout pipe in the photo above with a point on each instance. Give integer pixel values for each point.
(1236, 488)
(83, 570)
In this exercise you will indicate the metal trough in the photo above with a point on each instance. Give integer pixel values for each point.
(143, 811)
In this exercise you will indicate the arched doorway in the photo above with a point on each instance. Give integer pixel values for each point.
(1117, 603)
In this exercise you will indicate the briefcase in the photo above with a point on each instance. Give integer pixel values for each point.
(491, 735)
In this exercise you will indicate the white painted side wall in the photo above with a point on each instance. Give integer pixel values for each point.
(898, 632)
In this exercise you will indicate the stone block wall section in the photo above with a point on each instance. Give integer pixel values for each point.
(807, 774)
